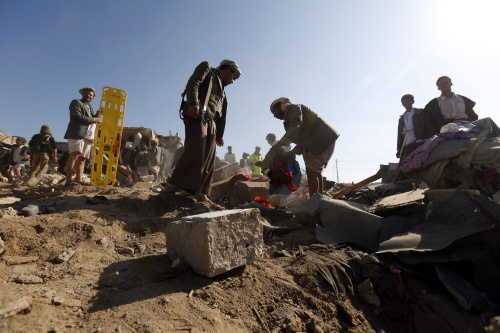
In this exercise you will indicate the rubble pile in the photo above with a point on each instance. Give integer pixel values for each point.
(418, 255)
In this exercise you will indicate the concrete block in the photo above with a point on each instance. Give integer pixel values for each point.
(142, 186)
(221, 189)
(225, 172)
(245, 191)
(147, 179)
(307, 210)
(344, 222)
(30, 210)
(216, 242)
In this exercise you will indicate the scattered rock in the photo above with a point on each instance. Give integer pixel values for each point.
(65, 256)
(28, 279)
(367, 294)
(20, 260)
(8, 212)
(126, 250)
(104, 242)
(14, 307)
(141, 248)
(30, 210)
(2, 246)
(58, 300)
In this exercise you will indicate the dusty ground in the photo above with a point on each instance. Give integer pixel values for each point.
(104, 287)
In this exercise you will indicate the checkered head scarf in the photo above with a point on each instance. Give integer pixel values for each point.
(234, 67)
(284, 103)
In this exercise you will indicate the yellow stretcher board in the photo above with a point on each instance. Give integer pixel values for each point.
(108, 137)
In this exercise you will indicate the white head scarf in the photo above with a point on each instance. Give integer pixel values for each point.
(284, 103)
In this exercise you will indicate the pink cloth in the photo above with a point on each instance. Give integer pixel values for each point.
(419, 155)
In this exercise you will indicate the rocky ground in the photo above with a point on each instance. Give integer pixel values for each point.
(94, 260)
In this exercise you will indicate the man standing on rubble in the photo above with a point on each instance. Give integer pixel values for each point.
(204, 122)
(80, 133)
(314, 138)
(19, 155)
(447, 108)
(230, 157)
(156, 159)
(411, 127)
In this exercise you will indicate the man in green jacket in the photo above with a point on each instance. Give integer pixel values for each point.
(314, 138)
(204, 122)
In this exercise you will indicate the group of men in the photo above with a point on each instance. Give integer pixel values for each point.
(416, 125)
(38, 153)
(205, 115)
(314, 138)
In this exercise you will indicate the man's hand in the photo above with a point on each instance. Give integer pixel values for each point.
(193, 111)
(97, 120)
(219, 142)
(275, 147)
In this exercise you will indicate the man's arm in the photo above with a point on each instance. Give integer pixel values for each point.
(400, 137)
(293, 114)
(469, 111)
(193, 85)
(25, 153)
(432, 118)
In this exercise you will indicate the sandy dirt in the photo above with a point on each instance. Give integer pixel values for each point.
(120, 278)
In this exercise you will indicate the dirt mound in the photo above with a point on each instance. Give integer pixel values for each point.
(96, 262)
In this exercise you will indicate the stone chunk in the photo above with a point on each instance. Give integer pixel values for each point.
(65, 256)
(30, 210)
(245, 191)
(28, 279)
(216, 242)
(221, 189)
(14, 307)
(225, 172)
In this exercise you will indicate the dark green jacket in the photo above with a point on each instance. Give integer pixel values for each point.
(307, 130)
(196, 91)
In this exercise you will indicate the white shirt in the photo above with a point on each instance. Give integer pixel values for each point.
(408, 130)
(16, 154)
(91, 129)
(452, 108)
(90, 132)
(230, 157)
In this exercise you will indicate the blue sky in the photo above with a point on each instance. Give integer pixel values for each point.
(350, 61)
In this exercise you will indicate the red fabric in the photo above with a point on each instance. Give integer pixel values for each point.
(263, 202)
(279, 175)
(239, 176)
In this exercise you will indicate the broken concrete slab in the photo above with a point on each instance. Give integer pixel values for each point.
(342, 222)
(225, 172)
(216, 242)
(401, 203)
(307, 211)
(448, 221)
(246, 191)
(438, 194)
(8, 200)
(221, 189)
